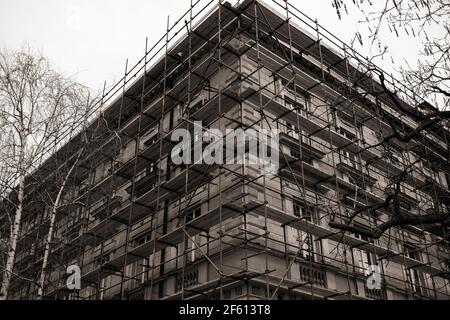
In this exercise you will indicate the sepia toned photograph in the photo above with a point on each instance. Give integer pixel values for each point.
(249, 151)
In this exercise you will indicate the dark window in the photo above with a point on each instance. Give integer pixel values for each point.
(412, 252)
(193, 213)
(292, 104)
(347, 134)
(303, 210)
(405, 205)
(103, 259)
(143, 239)
(306, 241)
(295, 154)
(415, 277)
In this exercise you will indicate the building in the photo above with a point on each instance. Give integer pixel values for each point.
(140, 227)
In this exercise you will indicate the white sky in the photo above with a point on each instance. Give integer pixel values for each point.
(90, 39)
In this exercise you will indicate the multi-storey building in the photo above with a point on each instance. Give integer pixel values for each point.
(140, 227)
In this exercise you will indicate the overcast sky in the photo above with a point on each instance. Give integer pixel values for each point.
(90, 39)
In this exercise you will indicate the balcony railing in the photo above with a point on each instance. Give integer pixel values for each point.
(189, 279)
(375, 294)
(313, 275)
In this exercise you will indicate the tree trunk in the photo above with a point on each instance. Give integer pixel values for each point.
(47, 247)
(14, 234)
(51, 228)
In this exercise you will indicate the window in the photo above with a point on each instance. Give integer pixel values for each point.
(440, 178)
(191, 214)
(348, 121)
(278, 86)
(306, 241)
(295, 154)
(143, 239)
(395, 159)
(349, 158)
(308, 160)
(111, 167)
(307, 245)
(391, 157)
(426, 166)
(363, 259)
(101, 260)
(405, 205)
(412, 252)
(136, 272)
(151, 137)
(305, 211)
(197, 106)
(171, 169)
(291, 104)
(415, 278)
(292, 131)
(347, 134)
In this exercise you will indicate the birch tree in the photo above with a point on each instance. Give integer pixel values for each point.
(38, 106)
(56, 202)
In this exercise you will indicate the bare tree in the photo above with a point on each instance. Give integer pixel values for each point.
(428, 21)
(440, 214)
(55, 202)
(38, 106)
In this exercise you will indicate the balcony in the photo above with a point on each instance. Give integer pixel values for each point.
(375, 294)
(434, 188)
(309, 150)
(187, 280)
(385, 163)
(302, 171)
(286, 219)
(145, 183)
(102, 208)
(314, 125)
(151, 137)
(314, 275)
(405, 199)
(284, 111)
(356, 171)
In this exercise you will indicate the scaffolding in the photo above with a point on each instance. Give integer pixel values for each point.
(141, 227)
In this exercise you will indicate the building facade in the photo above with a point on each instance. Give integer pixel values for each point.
(141, 227)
